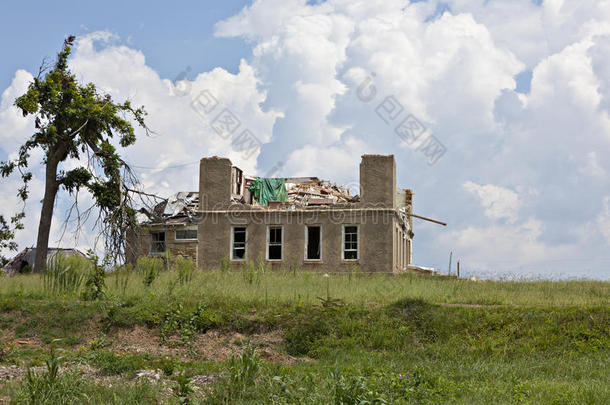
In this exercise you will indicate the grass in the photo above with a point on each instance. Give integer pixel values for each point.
(366, 338)
(305, 288)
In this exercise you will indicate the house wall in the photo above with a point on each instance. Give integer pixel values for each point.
(375, 237)
(140, 241)
(378, 181)
(382, 246)
(374, 215)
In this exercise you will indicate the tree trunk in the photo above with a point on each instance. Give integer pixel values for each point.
(46, 214)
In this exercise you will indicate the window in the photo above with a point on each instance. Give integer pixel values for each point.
(274, 243)
(238, 243)
(350, 242)
(186, 234)
(157, 242)
(313, 237)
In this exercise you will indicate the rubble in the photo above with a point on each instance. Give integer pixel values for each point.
(181, 208)
(306, 191)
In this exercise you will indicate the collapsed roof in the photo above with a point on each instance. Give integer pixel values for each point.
(300, 192)
(26, 257)
(180, 208)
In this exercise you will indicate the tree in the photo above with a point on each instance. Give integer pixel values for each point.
(6, 238)
(74, 121)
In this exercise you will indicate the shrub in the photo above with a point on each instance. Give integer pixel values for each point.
(304, 332)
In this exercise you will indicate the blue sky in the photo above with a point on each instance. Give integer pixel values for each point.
(172, 36)
(516, 92)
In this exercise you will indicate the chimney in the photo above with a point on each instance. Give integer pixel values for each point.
(378, 181)
(214, 183)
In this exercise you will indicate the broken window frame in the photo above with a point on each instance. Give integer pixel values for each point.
(233, 243)
(275, 243)
(178, 239)
(307, 258)
(155, 244)
(357, 242)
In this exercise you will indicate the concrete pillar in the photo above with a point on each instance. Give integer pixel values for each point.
(378, 181)
(214, 183)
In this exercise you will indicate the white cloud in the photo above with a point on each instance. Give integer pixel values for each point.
(455, 72)
(603, 220)
(181, 136)
(499, 202)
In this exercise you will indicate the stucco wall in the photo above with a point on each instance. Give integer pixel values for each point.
(375, 237)
(140, 240)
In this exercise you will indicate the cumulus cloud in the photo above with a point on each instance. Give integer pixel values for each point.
(603, 220)
(533, 159)
(455, 71)
(498, 202)
(167, 161)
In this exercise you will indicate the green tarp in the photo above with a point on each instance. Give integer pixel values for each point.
(269, 189)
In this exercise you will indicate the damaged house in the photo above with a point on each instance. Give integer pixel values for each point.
(306, 221)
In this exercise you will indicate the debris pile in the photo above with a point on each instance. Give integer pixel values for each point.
(312, 191)
(180, 208)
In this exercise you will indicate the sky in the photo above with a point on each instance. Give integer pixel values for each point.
(497, 111)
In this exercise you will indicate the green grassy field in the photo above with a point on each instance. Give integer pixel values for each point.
(299, 337)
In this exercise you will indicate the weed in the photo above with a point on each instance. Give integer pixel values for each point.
(110, 363)
(96, 283)
(247, 271)
(50, 387)
(64, 274)
(241, 375)
(352, 391)
(177, 319)
(121, 278)
(182, 389)
(185, 268)
(149, 268)
(168, 366)
(225, 264)
(98, 343)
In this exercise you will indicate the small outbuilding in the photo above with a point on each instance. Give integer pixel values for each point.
(24, 261)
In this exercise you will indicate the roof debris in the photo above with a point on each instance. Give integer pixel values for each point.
(306, 191)
(180, 208)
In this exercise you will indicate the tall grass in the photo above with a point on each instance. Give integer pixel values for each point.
(65, 274)
(260, 286)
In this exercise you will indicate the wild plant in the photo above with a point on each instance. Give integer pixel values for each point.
(225, 264)
(64, 275)
(95, 286)
(51, 387)
(242, 372)
(121, 278)
(247, 271)
(185, 268)
(149, 268)
(354, 390)
(182, 389)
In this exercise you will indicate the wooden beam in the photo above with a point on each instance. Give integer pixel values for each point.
(427, 219)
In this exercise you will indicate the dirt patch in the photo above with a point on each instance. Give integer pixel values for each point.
(29, 342)
(212, 345)
(458, 305)
(8, 373)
